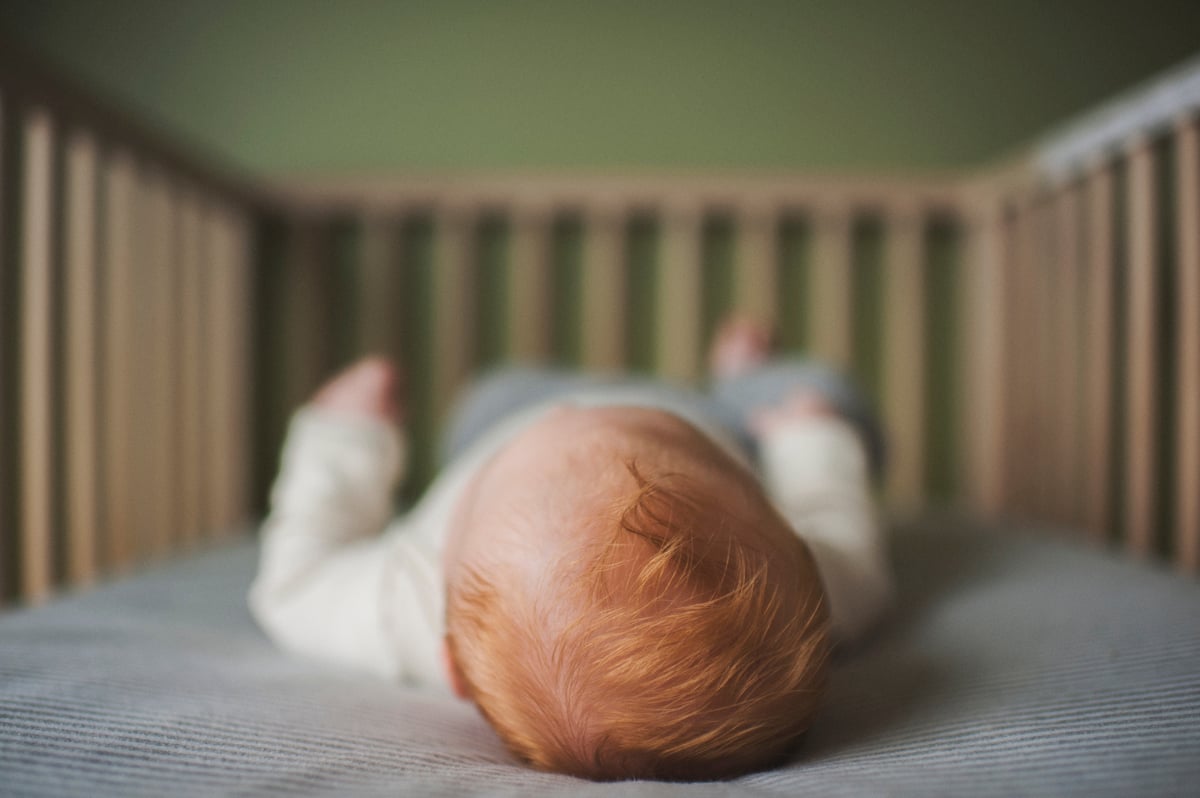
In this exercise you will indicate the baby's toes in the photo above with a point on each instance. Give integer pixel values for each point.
(739, 345)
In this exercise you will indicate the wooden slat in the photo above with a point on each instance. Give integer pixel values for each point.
(217, 365)
(1044, 431)
(230, 353)
(240, 394)
(529, 285)
(986, 291)
(756, 275)
(213, 369)
(159, 359)
(1011, 410)
(81, 387)
(144, 515)
(1022, 336)
(228, 361)
(904, 357)
(1100, 321)
(78, 105)
(37, 367)
(1187, 396)
(604, 285)
(680, 295)
(9, 179)
(831, 279)
(1067, 313)
(191, 380)
(453, 309)
(1141, 371)
(1039, 385)
(119, 363)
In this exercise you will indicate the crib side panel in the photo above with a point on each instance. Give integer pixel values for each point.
(659, 263)
(115, 407)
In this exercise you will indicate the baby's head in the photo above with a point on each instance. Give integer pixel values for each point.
(623, 602)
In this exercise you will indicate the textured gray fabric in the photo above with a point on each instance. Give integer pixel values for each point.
(1013, 665)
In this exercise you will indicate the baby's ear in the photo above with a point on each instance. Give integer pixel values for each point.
(453, 675)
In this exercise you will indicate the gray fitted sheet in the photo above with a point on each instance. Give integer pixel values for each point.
(1014, 664)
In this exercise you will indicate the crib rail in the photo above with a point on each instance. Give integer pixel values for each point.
(1094, 243)
(619, 273)
(1031, 333)
(124, 297)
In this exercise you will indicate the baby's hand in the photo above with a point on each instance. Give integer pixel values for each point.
(366, 388)
(799, 405)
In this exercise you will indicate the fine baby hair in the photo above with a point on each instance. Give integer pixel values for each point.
(688, 652)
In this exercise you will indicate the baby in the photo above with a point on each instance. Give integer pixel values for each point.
(629, 580)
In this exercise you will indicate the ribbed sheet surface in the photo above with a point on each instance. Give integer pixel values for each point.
(1014, 665)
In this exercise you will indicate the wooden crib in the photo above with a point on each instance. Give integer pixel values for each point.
(1030, 330)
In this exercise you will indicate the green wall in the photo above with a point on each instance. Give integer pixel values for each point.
(358, 85)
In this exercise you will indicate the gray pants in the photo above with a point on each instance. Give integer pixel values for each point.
(728, 402)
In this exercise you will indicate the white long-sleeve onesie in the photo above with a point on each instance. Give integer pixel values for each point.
(331, 587)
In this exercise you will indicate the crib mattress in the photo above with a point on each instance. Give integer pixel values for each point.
(1014, 664)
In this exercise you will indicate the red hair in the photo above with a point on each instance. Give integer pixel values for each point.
(692, 654)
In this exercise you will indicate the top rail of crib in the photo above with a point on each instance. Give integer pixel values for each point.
(583, 191)
(1145, 111)
(27, 83)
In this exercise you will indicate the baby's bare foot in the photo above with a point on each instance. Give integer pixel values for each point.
(366, 388)
(800, 404)
(739, 345)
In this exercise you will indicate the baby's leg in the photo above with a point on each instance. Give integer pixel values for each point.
(748, 377)
(818, 443)
(498, 395)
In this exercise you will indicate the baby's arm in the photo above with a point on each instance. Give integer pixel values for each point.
(815, 469)
(322, 570)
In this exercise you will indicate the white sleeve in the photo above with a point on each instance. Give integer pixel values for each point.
(815, 469)
(324, 568)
